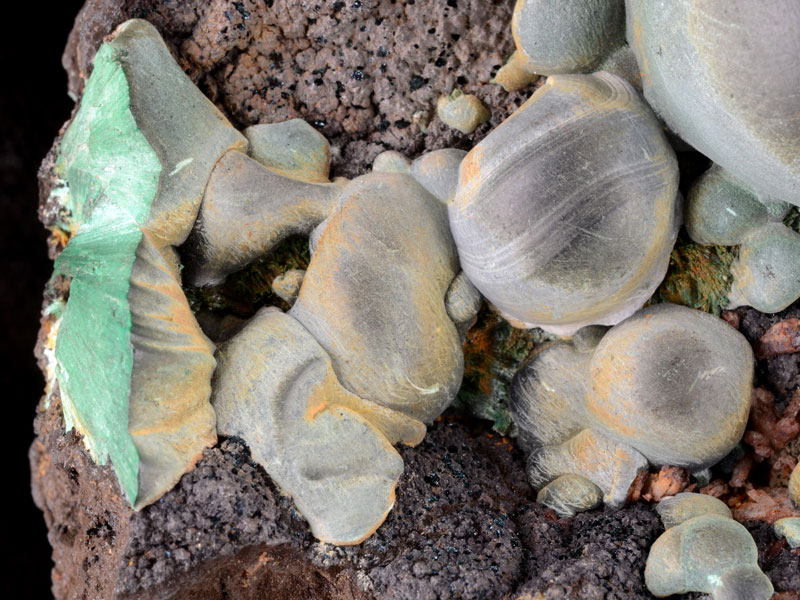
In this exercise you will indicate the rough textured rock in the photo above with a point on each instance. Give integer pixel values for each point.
(464, 524)
(366, 73)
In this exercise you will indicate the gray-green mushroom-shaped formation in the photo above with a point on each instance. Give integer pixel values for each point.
(329, 449)
(566, 214)
(252, 203)
(369, 352)
(374, 295)
(789, 528)
(668, 386)
(691, 74)
(570, 494)
(723, 211)
(704, 550)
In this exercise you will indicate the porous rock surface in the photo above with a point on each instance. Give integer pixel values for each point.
(367, 74)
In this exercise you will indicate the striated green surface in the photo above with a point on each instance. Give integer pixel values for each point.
(113, 174)
(493, 353)
(698, 277)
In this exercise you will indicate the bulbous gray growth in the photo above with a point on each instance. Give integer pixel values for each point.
(722, 210)
(789, 528)
(766, 275)
(676, 509)
(567, 36)
(669, 384)
(251, 205)
(374, 295)
(330, 450)
(711, 554)
(570, 494)
(565, 214)
(692, 77)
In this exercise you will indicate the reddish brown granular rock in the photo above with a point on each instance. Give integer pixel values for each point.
(781, 338)
(652, 487)
(763, 504)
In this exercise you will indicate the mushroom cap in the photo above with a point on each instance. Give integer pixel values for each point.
(674, 383)
(570, 494)
(566, 213)
(676, 509)
(327, 448)
(692, 54)
(567, 36)
(374, 295)
(699, 555)
(770, 250)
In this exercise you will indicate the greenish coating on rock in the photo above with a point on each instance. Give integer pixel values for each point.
(711, 554)
(789, 528)
(570, 494)
(292, 148)
(330, 450)
(698, 277)
(676, 509)
(567, 36)
(615, 386)
(462, 111)
(492, 355)
(133, 193)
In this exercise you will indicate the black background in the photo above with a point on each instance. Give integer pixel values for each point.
(33, 106)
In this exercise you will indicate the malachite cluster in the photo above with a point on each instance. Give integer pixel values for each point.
(133, 367)
(112, 173)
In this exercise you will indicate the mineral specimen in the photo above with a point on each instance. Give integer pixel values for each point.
(670, 385)
(565, 214)
(711, 554)
(135, 171)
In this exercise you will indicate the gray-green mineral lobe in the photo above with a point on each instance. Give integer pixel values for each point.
(555, 228)
(461, 111)
(567, 36)
(133, 366)
(686, 505)
(616, 386)
(374, 295)
(570, 494)
(691, 74)
(330, 450)
(253, 204)
(711, 554)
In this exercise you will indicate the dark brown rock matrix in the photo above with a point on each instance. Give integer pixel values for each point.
(367, 74)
